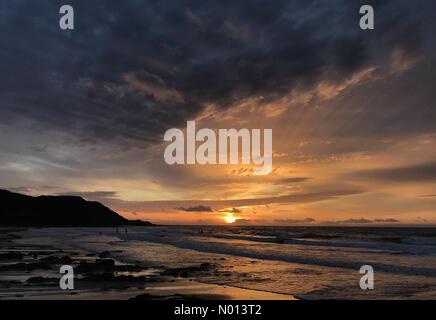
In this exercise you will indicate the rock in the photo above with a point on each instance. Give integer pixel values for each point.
(111, 277)
(104, 254)
(188, 271)
(57, 260)
(105, 277)
(206, 265)
(25, 266)
(128, 268)
(99, 265)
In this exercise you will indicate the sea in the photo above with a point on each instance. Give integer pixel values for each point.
(305, 262)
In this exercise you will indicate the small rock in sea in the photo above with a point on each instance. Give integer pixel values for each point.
(99, 265)
(107, 276)
(111, 277)
(57, 260)
(187, 271)
(104, 254)
(127, 268)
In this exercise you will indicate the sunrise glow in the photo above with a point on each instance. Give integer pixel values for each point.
(230, 219)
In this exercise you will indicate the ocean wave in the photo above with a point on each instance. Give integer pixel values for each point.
(208, 245)
(404, 246)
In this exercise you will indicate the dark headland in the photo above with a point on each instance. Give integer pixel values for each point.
(18, 210)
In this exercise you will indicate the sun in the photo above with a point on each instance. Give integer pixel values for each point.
(230, 219)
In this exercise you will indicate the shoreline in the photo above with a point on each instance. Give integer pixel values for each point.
(30, 270)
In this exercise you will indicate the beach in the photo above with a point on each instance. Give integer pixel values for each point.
(244, 263)
(30, 262)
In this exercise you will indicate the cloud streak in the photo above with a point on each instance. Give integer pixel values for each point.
(199, 208)
(191, 205)
(362, 221)
(423, 172)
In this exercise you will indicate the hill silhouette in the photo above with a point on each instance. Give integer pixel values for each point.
(57, 211)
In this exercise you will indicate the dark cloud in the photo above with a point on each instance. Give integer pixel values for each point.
(424, 172)
(132, 69)
(295, 198)
(207, 204)
(361, 221)
(231, 210)
(294, 221)
(198, 208)
(242, 222)
(387, 220)
(355, 221)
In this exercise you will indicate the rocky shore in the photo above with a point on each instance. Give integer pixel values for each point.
(30, 270)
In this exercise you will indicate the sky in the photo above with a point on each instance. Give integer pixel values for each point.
(83, 112)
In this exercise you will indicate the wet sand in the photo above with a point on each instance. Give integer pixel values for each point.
(30, 270)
